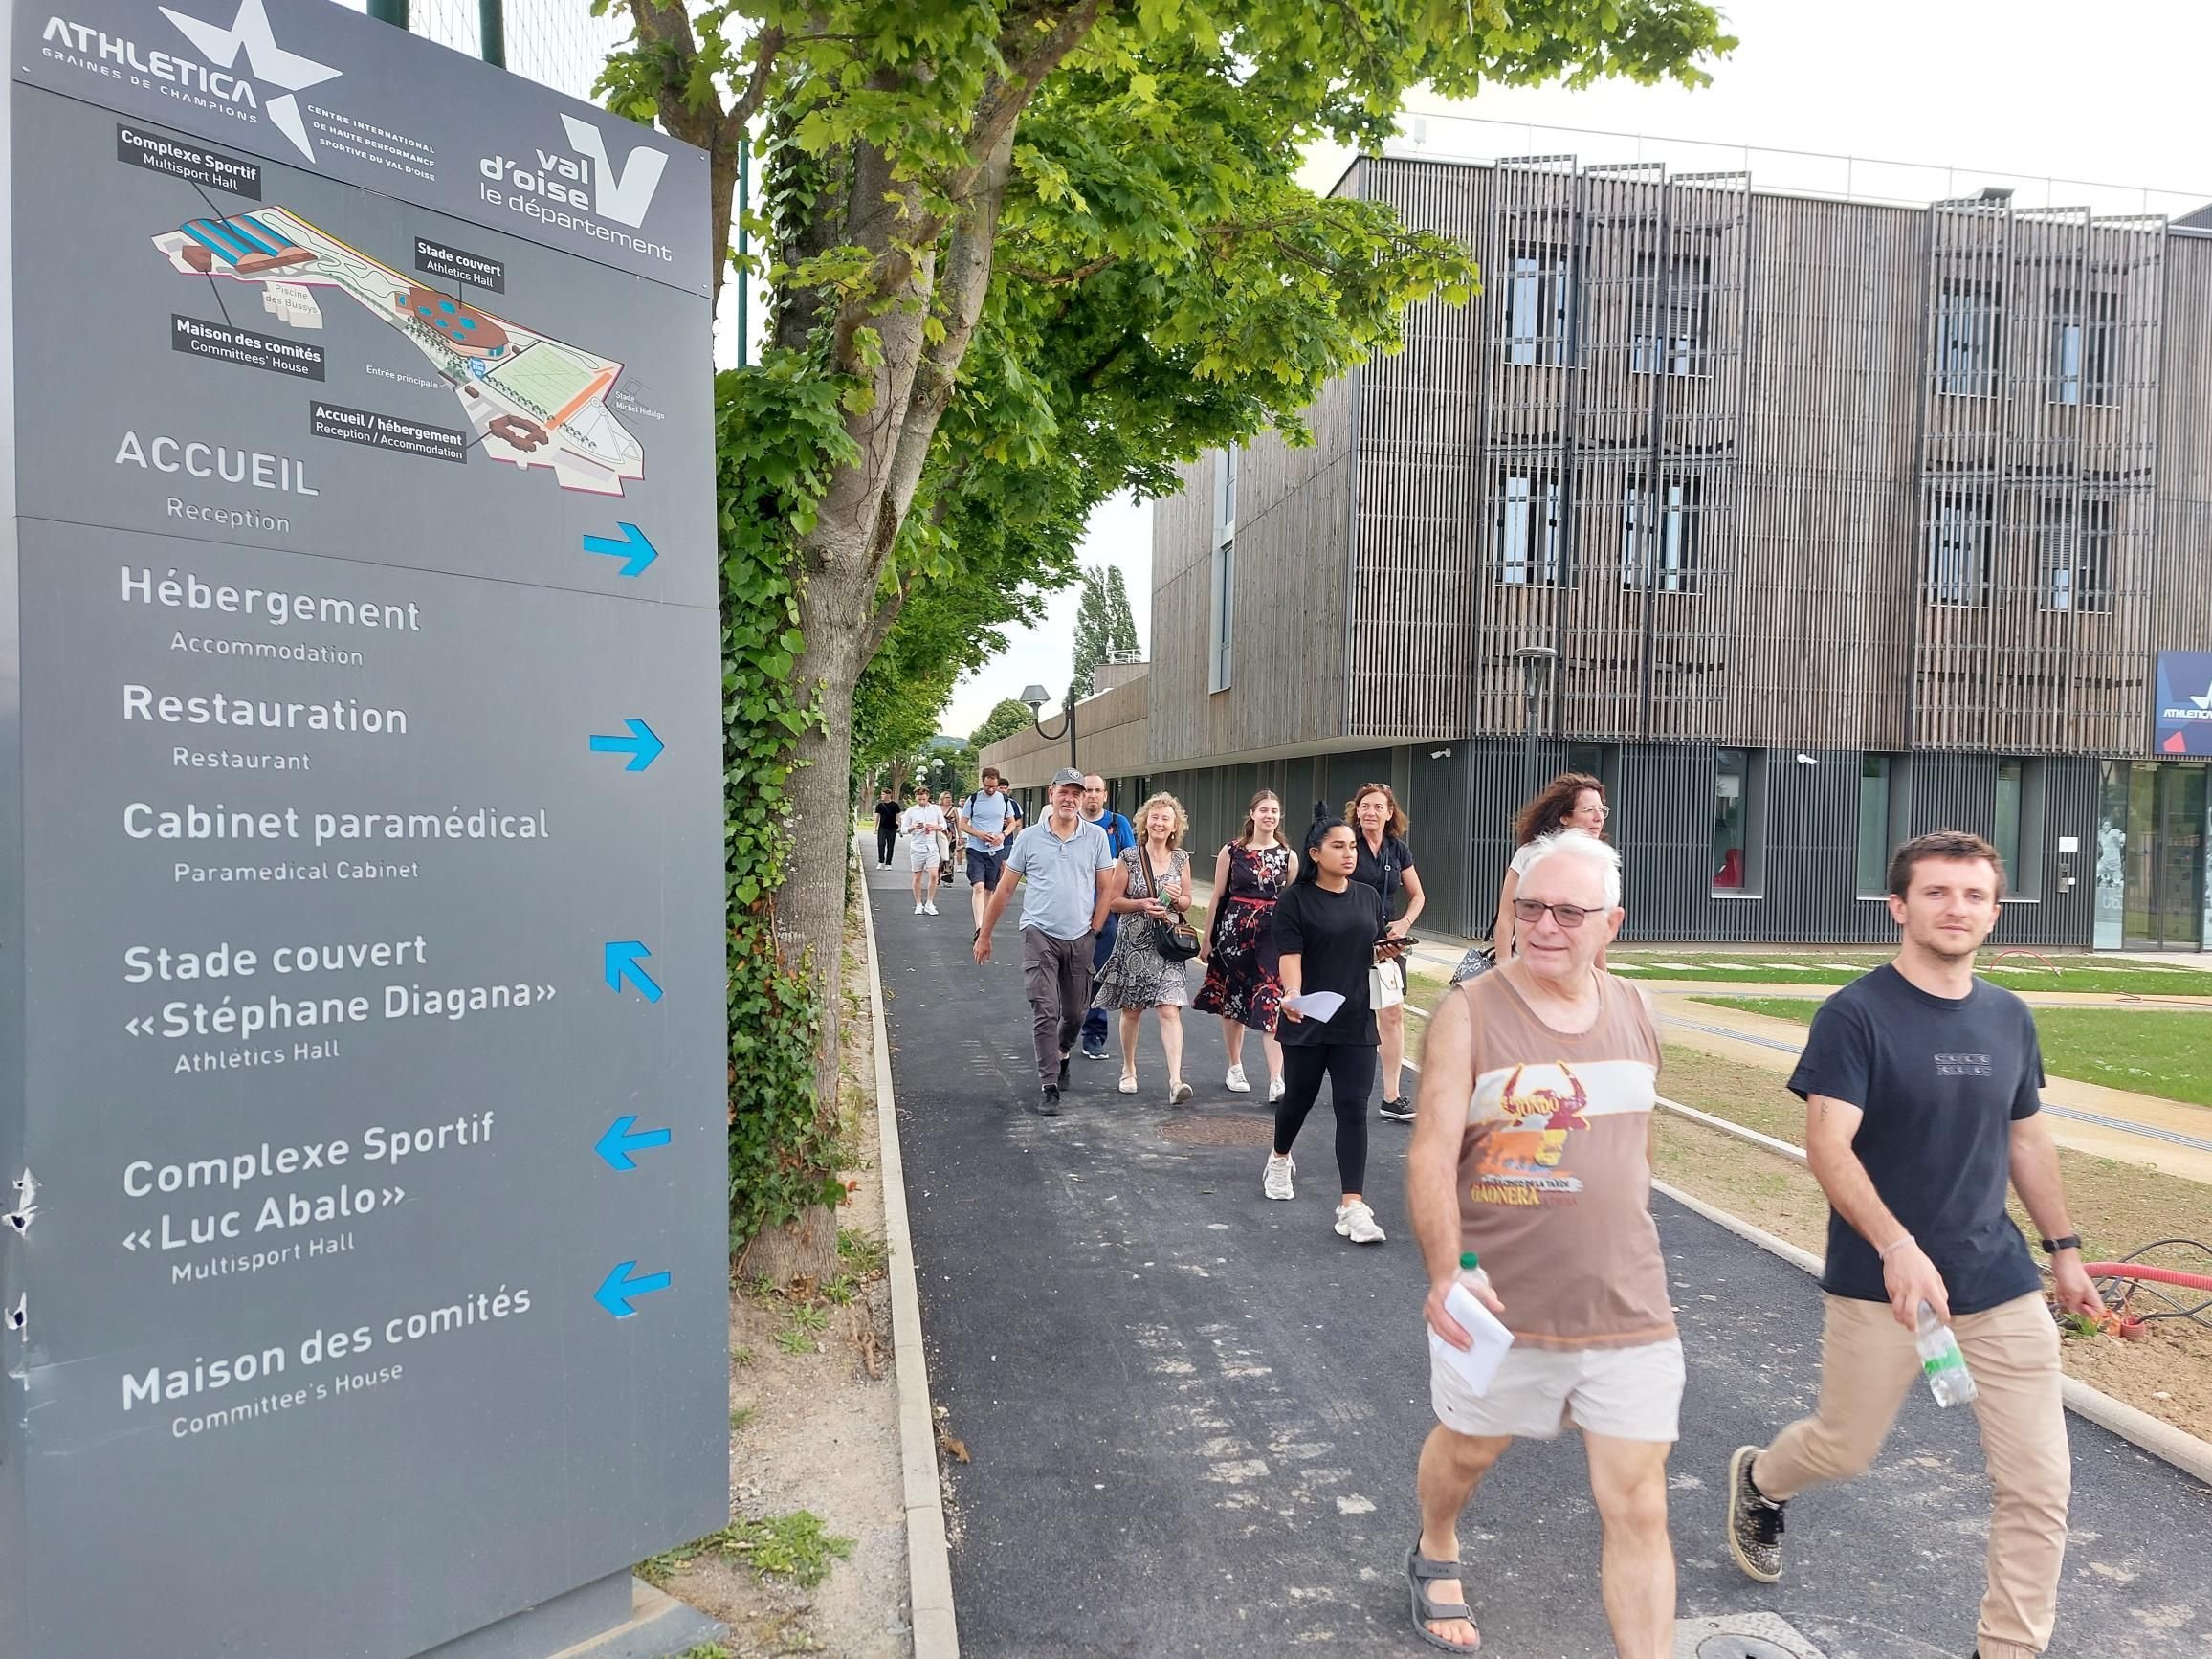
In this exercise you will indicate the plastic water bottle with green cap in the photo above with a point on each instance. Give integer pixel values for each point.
(1476, 1365)
(1940, 1360)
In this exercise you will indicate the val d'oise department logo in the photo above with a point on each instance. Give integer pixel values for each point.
(249, 33)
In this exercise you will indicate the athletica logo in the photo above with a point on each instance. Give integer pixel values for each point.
(624, 196)
(249, 33)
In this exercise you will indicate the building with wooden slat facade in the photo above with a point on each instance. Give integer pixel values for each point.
(1843, 521)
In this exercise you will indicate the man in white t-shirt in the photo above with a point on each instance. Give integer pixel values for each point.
(922, 825)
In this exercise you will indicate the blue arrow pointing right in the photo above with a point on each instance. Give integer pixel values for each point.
(619, 1141)
(616, 1289)
(623, 956)
(631, 547)
(643, 745)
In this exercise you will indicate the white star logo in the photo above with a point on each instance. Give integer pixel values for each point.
(249, 33)
(2205, 702)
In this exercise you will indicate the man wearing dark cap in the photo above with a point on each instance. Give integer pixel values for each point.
(1061, 866)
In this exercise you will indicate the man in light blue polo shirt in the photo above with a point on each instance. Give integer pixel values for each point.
(1062, 866)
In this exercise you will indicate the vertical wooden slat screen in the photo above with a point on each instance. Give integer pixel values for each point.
(1710, 443)
(1527, 417)
(2181, 611)
(1407, 663)
(2037, 478)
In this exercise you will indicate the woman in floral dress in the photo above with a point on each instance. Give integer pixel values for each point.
(1150, 884)
(1239, 969)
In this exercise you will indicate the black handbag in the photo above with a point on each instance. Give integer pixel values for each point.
(1172, 936)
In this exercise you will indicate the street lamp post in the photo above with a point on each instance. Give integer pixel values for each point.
(1535, 660)
(1035, 696)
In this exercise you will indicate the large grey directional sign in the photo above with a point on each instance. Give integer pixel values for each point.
(362, 998)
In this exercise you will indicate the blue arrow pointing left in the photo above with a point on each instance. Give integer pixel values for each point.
(623, 960)
(642, 746)
(620, 1141)
(616, 1289)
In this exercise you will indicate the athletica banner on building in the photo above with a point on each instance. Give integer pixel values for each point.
(2182, 716)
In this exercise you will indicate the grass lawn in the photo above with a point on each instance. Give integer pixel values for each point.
(2162, 1052)
(1814, 966)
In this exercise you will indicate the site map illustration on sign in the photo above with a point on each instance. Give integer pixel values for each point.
(533, 401)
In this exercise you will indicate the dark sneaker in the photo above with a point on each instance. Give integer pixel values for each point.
(1049, 1106)
(1398, 1111)
(1090, 1053)
(1755, 1524)
(1063, 1071)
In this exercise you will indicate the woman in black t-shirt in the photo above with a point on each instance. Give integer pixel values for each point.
(1328, 930)
(1386, 865)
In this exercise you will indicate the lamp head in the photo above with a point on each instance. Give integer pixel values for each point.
(1036, 696)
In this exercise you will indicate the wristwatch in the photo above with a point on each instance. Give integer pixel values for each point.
(2052, 1245)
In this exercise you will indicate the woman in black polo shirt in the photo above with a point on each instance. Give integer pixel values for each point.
(1386, 865)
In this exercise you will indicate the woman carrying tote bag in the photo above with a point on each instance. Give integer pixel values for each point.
(1146, 967)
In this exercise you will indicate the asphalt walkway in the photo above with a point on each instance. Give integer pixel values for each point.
(1193, 1413)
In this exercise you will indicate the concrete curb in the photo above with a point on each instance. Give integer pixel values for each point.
(928, 1559)
(2187, 1453)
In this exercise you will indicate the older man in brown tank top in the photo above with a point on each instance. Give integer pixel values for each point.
(1532, 1149)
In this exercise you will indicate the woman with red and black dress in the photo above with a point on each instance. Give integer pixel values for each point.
(1239, 957)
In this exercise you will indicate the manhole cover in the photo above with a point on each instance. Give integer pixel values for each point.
(1232, 1129)
(1741, 1636)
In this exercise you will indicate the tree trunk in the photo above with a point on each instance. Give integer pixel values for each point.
(805, 1249)
(810, 904)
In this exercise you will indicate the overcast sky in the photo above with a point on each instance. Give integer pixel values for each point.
(2112, 94)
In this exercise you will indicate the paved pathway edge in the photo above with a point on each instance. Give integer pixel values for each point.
(928, 1561)
(2186, 1453)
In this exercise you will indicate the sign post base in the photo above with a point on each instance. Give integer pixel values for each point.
(617, 1617)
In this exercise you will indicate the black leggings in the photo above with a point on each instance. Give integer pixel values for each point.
(1350, 1068)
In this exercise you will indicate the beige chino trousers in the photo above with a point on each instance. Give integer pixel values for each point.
(1868, 1365)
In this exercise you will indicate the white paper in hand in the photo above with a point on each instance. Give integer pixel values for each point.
(1474, 1367)
(1316, 1005)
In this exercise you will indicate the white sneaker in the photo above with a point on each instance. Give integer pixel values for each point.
(1356, 1221)
(1128, 1084)
(929, 910)
(1277, 1184)
(917, 910)
(1275, 1087)
(1236, 1081)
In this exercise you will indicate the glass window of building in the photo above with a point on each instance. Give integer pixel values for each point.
(2077, 546)
(1966, 338)
(2019, 829)
(1735, 828)
(1221, 588)
(1674, 315)
(1879, 803)
(1659, 535)
(1531, 548)
(1536, 306)
(1958, 539)
(2084, 344)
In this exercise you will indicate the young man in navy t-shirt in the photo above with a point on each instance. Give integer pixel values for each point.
(1922, 1092)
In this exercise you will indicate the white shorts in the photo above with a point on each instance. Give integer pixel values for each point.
(1621, 1393)
(920, 858)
